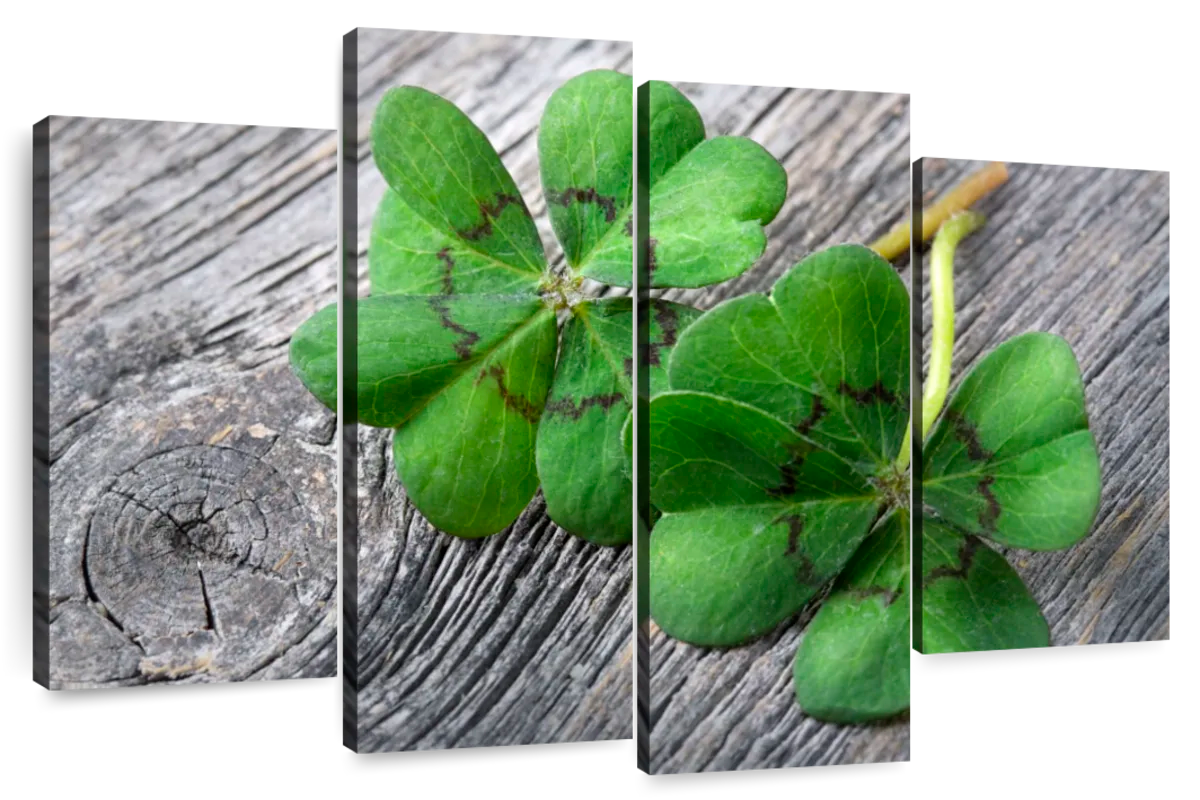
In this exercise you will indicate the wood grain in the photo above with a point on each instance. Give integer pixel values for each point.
(846, 157)
(192, 505)
(1083, 253)
(525, 636)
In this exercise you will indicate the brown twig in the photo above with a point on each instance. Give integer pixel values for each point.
(970, 191)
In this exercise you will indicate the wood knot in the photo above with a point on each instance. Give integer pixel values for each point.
(200, 556)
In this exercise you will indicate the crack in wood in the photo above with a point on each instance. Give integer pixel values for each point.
(210, 616)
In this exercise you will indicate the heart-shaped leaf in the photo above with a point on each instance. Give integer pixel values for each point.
(675, 128)
(755, 518)
(708, 211)
(313, 355)
(971, 599)
(412, 349)
(409, 255)
(852, 665)
(827, 352)
(453, 218)
(585, 145)
(580, 457)
(1011, 458)
(465, 447)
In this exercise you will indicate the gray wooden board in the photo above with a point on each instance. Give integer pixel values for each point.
(525, 636)
(847, 162)
(192, 527)
(1083, 253)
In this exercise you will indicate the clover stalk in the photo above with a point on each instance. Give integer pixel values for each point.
(941, 290)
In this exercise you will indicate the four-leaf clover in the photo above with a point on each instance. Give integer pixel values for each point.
(458, 342)
(773, 460)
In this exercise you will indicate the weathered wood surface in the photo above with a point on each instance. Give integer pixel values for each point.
(192, 529)
(1083, 253)
(847, 161)
(525, 636)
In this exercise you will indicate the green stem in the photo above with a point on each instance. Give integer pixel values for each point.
(941, 288)
(905, 447)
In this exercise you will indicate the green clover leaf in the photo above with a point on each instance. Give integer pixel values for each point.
(709, 200)
(1011, 457)
(971, 598)
(586, 153)
(449, 200)
(585, 475)
(826, 352)
(853, 663)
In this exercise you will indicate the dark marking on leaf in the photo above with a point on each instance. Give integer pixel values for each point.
(788, 472)
(568, 407)
(889, 595)
(966, 555)
(629, 226)
(491, 211)
(805, 569)
(988, 515)
(668, 321)
(818, 411)
(795, 525)
(463, 346)
(968, 434)
(628, 368)
(447, 270)
(877, 393)
(651, 259)
(518, 403)
(587, 194)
